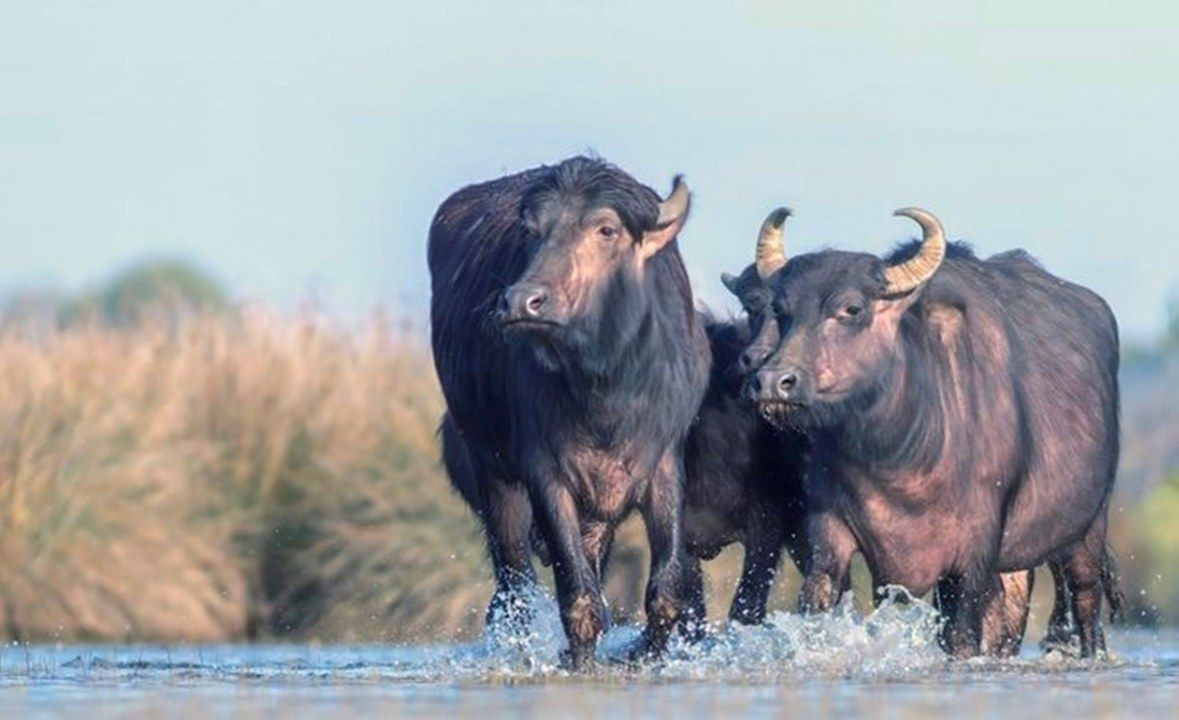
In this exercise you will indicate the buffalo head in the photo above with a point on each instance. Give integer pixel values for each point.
(753, 288)
(591, 232)
(837, 315)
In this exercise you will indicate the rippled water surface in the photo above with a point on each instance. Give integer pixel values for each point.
(884, 665)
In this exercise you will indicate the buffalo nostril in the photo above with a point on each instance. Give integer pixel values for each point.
(754, 385)
(535, 302)
(787, 381)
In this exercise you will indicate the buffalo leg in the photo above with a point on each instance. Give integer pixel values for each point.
(669, 583)
(505, 512)
(1005, 616)
(579, 594)
(1083, 571)
(763, 551)
(1061, 628)
(508, 524)
(969, 593)
(695, 616)
(832, 547)
(597, 539)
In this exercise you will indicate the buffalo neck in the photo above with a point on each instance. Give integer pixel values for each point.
(899, 422)
(640, 369)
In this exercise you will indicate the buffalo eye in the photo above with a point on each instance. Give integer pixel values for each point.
(607, 232)
(849, 312)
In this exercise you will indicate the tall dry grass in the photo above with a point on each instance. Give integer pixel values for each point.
(220, 478)
(246, 475)
(217, 477)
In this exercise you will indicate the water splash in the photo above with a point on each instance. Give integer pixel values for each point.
(899, 637)
(895, 642)
(527, 639)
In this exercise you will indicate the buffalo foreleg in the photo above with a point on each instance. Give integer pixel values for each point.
(694, 620)
(763, 551)
(579, 594)
(505, 512)
(1005, 616)
(507, 521)
(670, 585)
(832, 547)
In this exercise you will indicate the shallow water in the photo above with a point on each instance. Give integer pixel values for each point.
(881, 666)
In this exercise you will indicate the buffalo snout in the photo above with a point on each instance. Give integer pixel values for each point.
(774, 385)
(526, 303)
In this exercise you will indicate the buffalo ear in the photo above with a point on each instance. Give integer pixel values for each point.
(655, 240)
(673, 213)
(730, 282)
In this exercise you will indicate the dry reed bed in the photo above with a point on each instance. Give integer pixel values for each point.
(213, 478)
(220, 477)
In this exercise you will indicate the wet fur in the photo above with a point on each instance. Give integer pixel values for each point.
(744, 479)
(986, 444)
(590, 424)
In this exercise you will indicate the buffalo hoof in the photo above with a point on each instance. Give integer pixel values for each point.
(1061, 641)
(579, 659)
(641, 651)
(645, 649)
(746, 615)
(960, 645)
(509, 613)
(692, 630)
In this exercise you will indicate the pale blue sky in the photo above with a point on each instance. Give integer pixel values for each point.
(301, 148)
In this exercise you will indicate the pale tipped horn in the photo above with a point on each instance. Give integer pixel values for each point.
(771, 250)
(676, 204)
(921, 267)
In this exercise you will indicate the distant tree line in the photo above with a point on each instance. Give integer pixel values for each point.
(159, 289)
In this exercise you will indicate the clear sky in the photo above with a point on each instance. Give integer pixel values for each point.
(299, 149)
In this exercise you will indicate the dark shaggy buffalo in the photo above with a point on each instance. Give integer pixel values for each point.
(963, 418)
(744, 481)
(573, 363)
(744, 476)
(1005, 617)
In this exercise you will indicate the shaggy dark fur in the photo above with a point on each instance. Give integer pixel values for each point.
(744, 479)
(572, 363)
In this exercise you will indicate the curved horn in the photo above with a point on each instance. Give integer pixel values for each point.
(771, 251)
(676, 204)
(921, 267)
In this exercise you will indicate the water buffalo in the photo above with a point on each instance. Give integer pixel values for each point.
(744, 476)
(1005, 616)
(572, 362)
(963, 420)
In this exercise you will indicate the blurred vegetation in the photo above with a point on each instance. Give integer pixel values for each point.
(152, 290)
(175, 467)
